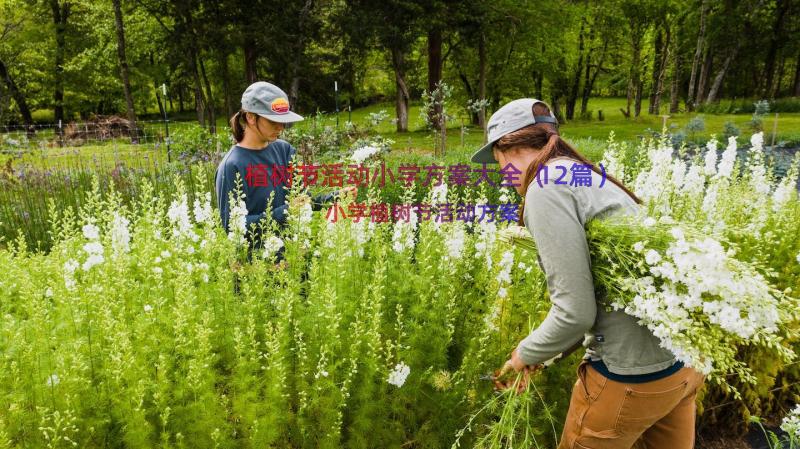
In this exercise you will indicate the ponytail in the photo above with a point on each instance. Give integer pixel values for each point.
(237, 127)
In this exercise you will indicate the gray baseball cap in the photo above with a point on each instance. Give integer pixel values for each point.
(270, 102)
(512, 116)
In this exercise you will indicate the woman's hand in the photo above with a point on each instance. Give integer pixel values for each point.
(349, 192)
(516, 364)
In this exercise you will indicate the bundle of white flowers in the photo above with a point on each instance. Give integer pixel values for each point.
(688, 289)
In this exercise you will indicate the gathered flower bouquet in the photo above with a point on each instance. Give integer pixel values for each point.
(687, 288)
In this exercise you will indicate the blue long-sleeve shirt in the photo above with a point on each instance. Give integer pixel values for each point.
(261, 175)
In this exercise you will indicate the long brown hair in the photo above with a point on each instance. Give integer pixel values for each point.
(546, 137)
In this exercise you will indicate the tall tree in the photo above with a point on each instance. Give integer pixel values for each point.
(698, 53)
(776, 41)
(123, 60)
(60, 10)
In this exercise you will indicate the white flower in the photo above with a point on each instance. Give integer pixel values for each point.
(48, 293)
(93, 248)
(757, 140)
(158, 270)
(91, 232)
(454, 241)
(652, 257)
(272, 245)
(649, 222)
(148, 308)
(203, 212)
(399, 374)
(439, 194)
(364, 153)
(69, 273)
(638, 247)
(791, 423)
(120, 235)
(166, 254)
(710, 167)
(728, 159)
(238, 222)
(502, 293)
(178, 214)
(94, 259)
(52, 380)
(506, 264)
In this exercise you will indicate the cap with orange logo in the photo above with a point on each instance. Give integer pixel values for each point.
(270, 102)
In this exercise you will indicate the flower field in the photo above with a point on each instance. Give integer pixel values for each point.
(147, 325)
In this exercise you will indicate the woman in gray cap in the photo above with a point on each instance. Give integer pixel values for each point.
(261, 159)
(630, 391)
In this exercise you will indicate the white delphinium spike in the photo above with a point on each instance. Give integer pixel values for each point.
(612, 159)
(272, 245)
(728, 159)
(787, 188)
(120, 235)
(178, 214)
(454, 242)
(693, 182)
(710, 159)
(93, 248)
(237, 223)
(69, 273)
(91, 232)
(203, 211)
(758, 172)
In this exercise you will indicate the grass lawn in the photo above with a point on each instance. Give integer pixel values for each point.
(587, 135)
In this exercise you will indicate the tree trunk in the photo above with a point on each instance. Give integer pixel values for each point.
(776, 40)
(660, 73)
(401, 103)
(572, 96)
(226, 85)
(161, 105)
(434, 73)
(212, 116)
(588, 84)
(123, 64)
(294, 90)
(712, 93)
(797, 78)
(635, 85)
(704, 72)
(60, 15)
(555, 104)
(697, 54)
(250, 57)
(199, 100)
(482, 81)
(19, 98)
(674, 91)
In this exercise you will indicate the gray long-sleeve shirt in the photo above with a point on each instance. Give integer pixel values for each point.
(556, 214)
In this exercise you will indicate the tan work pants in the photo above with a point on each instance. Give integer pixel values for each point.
(605, 414)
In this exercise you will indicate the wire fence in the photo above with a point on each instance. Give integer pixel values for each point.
(104, 133)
